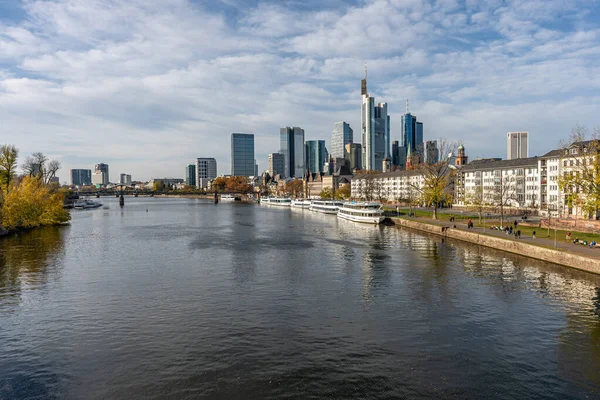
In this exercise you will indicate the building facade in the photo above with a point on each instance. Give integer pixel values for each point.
(101, 176)
(206, 170)
(517, 145)
(276, 164)
(375, 131)
(125, 179)
(316, 155)
(242, 154)
(190, 175)
(354, 156)
(81, 177)
(397, 186)
(341, 136)
(432, 153)
(293, 150)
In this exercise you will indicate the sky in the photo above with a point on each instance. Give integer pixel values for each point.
(147, 86)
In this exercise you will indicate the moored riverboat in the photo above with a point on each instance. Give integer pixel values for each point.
(325, 206)
(365, 212)
(86, 204)
(301, 203)
(277, 201)
(227, 197)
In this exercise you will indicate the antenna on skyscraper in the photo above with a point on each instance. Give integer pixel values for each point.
(407, 106)
(365, 70)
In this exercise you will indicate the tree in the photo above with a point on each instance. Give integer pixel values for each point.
(437, 179)
(503, 194)
(580, 180)
(475, 201)
(371, 187)
(294, 188)
(327, 193)
(39, 166)
(343, 193)
(8, 166)
(31, 204)
(159, 186)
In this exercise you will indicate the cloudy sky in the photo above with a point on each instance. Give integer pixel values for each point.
(148, 85)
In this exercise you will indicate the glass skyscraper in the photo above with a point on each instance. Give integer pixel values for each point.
(242, 154)
(341, 135)
(375, 131)
(81, 177)
(316, 155)
(292, 148)
(412, 136)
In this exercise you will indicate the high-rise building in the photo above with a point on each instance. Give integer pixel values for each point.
(517, 145)
(101, 176)
(190, 175)
(255, 168)
(292, 148)
(125, 179)
(276, 164)
(341, 135)
(432, 153)
(81, 177)
(206, 170)
(242, 154)
(354, 156)
(395, 153)
(412, 135)
(375, 131)
(316, 155)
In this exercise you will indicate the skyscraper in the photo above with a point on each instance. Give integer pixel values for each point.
(206, 168)
(292, 148)
(190, 175)
(125, 179)
(242, 154)
(395, 153)
(341, 135)
(412, 135)
(375, 130)
(81, 177)
(432, 153)
(316, 155)
(100, 176)
(517, 145)
(354, 156)
(276, 164)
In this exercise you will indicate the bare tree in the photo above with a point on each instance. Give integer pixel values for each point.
(50, 171)
(438, 178)
(503, 194)
(475, 201)
(8, 165)
(38, 165)
(580, 180)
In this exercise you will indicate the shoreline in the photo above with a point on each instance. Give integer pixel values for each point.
(565, 259)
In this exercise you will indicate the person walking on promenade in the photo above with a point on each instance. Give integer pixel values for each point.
(515, 224)
(519, 234)
(533, 235)
(568, 236)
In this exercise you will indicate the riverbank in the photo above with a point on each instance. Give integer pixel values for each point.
(578, 257)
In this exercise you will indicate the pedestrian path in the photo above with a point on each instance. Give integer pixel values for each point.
(543, 242)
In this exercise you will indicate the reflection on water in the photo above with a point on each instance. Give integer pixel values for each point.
(191, 299)
(28, 260)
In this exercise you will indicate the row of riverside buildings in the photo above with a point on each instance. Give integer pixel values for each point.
(521, 183)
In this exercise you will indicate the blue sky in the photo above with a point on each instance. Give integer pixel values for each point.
(149, 85)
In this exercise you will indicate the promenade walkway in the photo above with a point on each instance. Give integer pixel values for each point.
(538, 241)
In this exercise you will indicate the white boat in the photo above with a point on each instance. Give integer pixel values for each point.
(366, 212)
(325, 206)
(227, 197)
(301, 203)
(86, 204)
(277, 201)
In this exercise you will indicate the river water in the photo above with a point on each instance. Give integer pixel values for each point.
(181, 298)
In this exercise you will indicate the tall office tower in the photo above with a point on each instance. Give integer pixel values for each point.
(255, 168)
(206, 169)
(242, 154)
(125, 179)
(354, 156)
(101, 174)
(292, 148)
(432, 153)
(81, 177)
(341, 135)
(375, 130)
(517, 145)
(190, 175)
(276, 164)
(316, 155)
(412, 135)
(395, 153)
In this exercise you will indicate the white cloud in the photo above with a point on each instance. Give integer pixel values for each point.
(130, 82)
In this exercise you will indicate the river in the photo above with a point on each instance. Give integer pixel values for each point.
(181, 298)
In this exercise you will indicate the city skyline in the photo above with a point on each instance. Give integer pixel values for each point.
(74, 88)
